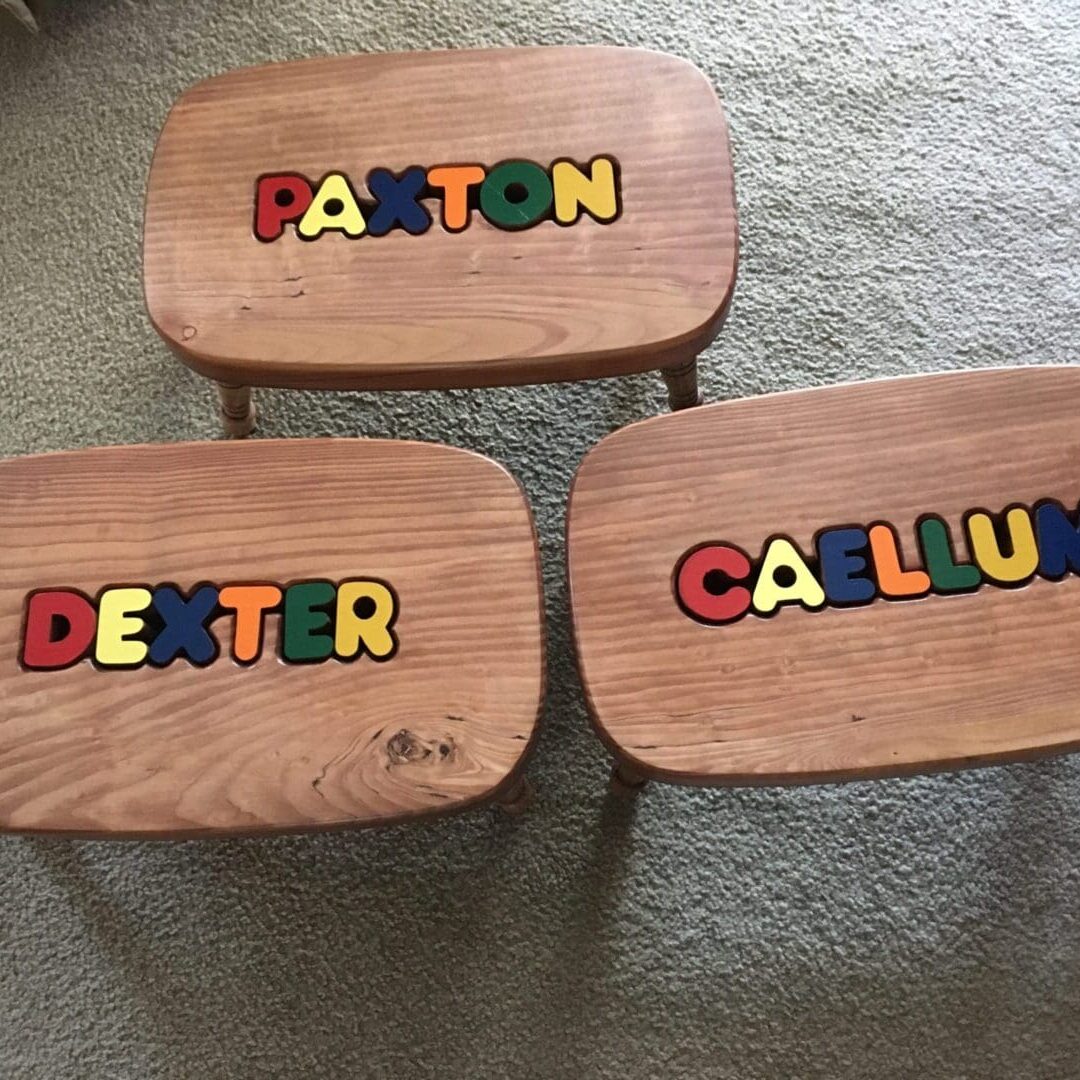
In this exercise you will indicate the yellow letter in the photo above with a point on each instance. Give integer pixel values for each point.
(1021, 564)
(784, 578)
(116, 622)
(334, 207)
(371, 627)
(574, 190)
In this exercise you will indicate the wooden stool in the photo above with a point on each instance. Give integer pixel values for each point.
(447, 219)
(852, 582)
(221, 638)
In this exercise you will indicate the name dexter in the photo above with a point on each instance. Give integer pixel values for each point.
(129, 626)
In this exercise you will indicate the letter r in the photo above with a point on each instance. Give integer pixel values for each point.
(365, 612)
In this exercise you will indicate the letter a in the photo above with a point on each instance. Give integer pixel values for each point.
(784, 578)
(333, 209)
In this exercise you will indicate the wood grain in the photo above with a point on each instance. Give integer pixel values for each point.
(890, 688)
(476, 308)
(185, 751)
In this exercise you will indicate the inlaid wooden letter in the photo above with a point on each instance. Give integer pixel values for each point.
(596, 194)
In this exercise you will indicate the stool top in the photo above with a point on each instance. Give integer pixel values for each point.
(847, 582)
(275, 635)
(426, 220)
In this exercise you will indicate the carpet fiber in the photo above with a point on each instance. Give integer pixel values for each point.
(907, 186)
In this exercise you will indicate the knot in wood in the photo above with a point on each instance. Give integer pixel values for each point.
(405, 746)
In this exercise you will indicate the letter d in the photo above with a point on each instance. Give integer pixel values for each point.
(60, 625)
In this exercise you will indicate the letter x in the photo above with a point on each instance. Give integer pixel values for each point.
(185, 626)
(398, 201)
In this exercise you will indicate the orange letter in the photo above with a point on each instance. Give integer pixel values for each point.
(249, 602)
(893, 580)
(455, 181)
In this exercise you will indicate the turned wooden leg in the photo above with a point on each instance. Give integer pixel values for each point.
(682, 387)
(626, 780)
(237, 411)
(517, 799)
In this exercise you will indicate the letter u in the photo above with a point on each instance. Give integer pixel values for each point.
(1012, 569)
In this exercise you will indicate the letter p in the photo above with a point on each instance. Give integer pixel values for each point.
(278, 199)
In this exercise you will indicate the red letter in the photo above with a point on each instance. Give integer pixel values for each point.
(41, 650)
(702, 583)
(279, 199)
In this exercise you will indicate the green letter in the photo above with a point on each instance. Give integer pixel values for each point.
(303, 617)
(945, 574)
(515, 195)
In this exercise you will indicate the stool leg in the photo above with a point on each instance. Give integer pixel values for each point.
(682, 387)
(517, 799)
(237, 411)
(625, 779)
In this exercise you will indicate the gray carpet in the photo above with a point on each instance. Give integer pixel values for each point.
(907, 183)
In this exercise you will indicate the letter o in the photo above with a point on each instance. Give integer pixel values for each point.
(530, 182)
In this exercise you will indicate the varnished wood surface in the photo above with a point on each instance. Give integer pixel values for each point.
(475, 308)
(181, 751)
(890, 688)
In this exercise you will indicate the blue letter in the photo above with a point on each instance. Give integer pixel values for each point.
(839, 565)
(398, 202)
(1059, 541)
(185, 626)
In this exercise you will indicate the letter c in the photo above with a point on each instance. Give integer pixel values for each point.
(703, 586)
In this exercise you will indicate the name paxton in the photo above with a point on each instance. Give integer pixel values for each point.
(511, 195)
